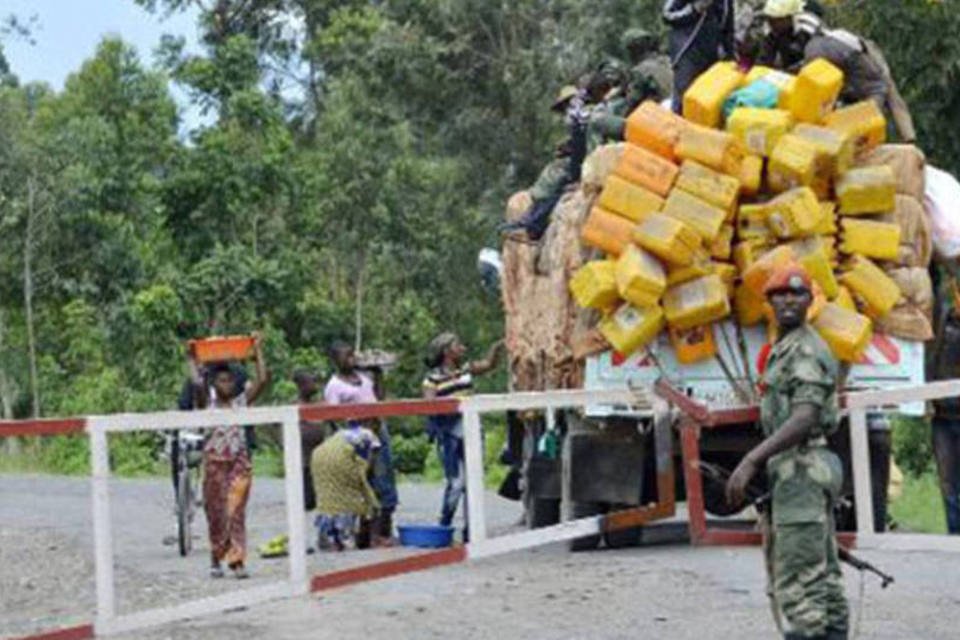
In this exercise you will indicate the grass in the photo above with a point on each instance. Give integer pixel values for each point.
(920, 508)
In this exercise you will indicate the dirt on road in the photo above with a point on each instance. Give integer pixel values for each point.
(668, 591)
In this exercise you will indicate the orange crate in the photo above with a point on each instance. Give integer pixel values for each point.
(221, 348)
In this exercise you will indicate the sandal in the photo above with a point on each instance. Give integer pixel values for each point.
(239, 571)
(274, 548)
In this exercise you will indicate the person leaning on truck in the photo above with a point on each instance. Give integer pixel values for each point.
(798, 411)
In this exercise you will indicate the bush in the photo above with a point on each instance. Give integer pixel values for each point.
(912, 446)
(410, 453)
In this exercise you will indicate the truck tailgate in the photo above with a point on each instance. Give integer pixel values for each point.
(888, 362)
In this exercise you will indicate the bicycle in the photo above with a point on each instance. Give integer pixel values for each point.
(189, 500)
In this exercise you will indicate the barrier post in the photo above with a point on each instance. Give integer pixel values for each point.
(292, 463)
(102, 536)
(860, 454)
(473, 461)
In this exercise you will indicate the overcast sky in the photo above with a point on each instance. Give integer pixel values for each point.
(67, 33)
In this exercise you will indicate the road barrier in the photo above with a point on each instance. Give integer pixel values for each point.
(482, 545)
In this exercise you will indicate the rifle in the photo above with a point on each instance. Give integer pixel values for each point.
(761, 501)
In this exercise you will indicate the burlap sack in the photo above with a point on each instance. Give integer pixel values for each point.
(517, 205)
(912, 318)
(907, 162)
(916, 235)
(541, 315)
(598, 166)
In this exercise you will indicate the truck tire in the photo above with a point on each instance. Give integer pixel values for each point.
(577, 510)
(542, 512)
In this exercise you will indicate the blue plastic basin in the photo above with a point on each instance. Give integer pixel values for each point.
(425, 536)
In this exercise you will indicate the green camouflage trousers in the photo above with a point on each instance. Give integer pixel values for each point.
(805, 580)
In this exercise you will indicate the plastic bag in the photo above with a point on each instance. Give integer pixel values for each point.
(942, 200)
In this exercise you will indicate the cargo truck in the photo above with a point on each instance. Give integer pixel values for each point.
(606, 459)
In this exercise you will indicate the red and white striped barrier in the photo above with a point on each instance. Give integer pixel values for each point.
(98, 428)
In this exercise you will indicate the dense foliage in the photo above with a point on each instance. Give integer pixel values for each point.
(357, 158)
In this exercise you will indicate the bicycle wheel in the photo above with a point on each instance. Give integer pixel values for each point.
(184, 511)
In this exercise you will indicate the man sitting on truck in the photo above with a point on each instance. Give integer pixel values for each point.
(565, 168)
(797, 36)
(798, 411)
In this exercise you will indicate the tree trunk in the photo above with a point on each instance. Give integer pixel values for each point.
(358, 309)
(8, 395)
(28, 246)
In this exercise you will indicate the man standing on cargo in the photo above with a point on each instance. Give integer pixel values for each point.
(798, 412)
(798, 36)
(701, 33)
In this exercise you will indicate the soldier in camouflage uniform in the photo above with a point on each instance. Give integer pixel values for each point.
(650, 76)
(798, 411)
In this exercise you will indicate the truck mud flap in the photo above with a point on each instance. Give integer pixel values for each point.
(606, 469)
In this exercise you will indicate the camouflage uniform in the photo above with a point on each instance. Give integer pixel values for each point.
(651, 78)
(805, 581)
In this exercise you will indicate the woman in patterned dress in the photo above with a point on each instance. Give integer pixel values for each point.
(227, 471)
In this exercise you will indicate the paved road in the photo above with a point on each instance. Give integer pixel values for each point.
(660, 592)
